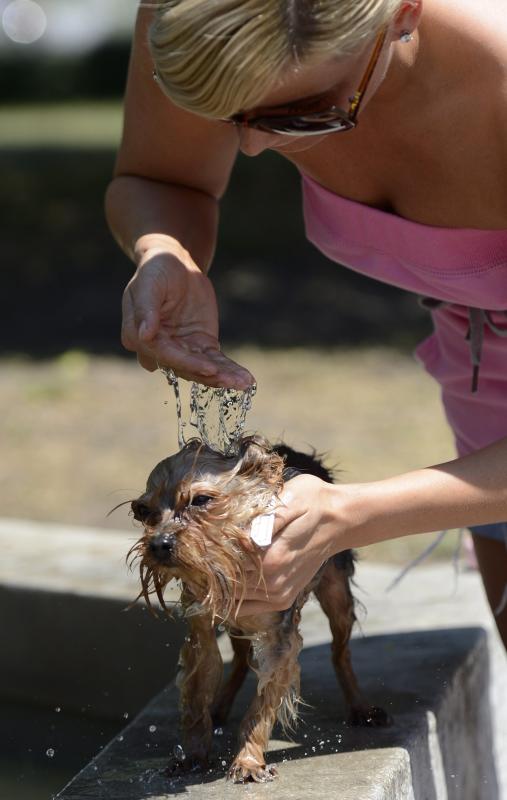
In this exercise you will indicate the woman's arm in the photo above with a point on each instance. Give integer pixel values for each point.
(316, 520)
(162, 207)
(471, 490)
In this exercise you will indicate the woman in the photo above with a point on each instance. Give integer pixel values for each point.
(415, 195)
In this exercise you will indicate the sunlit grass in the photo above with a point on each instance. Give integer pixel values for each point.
(61, 125)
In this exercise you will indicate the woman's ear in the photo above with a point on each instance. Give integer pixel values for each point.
(407, 18)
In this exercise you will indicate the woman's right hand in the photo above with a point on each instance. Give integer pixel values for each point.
(170, 318)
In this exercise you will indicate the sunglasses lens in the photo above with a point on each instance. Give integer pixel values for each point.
(302, 126)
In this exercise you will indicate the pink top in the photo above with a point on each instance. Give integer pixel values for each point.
(463, 267)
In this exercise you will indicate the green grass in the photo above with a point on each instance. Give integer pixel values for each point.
(69, 125)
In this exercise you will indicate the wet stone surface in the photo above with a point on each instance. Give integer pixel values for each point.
(434, 683)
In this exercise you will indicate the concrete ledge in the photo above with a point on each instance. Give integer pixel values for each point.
(67, 643)
(435, 684)
(65, 558)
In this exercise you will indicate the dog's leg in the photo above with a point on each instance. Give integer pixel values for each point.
(334, 595)
(241, 647)
(198, 681)
(275, 651)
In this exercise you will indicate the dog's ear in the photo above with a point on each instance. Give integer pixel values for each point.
(144, 513)
(252, 452)
(257, 459)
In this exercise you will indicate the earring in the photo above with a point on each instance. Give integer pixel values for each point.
(406, 37)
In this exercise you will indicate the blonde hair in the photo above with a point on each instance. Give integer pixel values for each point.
(218, 57)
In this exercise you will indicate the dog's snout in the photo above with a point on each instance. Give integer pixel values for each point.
(162, 546)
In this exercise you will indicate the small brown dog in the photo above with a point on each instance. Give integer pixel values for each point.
(197, 510)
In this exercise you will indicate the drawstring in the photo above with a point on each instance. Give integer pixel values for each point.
(478, 318)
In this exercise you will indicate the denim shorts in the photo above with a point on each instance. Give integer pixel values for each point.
(497, 530)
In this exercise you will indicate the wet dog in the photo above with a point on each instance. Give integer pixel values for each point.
(197, 512)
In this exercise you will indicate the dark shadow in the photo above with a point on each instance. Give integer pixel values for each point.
(69, 678)
(413, 675)
(76, 651)
(63, 275)
(38, 76)
(43, 748)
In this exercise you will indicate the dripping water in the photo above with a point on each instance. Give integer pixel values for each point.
(217, 415)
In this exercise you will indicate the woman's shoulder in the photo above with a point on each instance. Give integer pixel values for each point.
(483, 26)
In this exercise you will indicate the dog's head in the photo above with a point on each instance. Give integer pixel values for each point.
(196, 511)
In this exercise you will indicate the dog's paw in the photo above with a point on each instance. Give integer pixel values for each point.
(243, 771)
(370, 716)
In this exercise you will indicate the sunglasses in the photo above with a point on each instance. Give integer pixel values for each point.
(315, 120)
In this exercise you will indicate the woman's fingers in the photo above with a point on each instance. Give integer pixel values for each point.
(207, 366)
(147, 362)
(148, 326)
(263, 605)
(250, 608)
(288, 509)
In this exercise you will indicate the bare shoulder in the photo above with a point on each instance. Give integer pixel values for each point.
(473, 41)
(163, 142)
(484, 24)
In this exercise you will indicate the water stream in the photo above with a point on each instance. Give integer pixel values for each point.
(217, 416)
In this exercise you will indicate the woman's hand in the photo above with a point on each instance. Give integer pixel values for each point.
(307, 532)
(315, 520)
(170, 319)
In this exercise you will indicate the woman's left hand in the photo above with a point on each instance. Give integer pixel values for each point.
(307, 531)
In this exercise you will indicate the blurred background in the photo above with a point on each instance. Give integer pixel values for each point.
(81, 425)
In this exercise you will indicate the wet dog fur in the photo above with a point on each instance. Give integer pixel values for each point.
(196, 512)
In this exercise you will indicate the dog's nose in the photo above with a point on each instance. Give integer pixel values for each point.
(162, 546)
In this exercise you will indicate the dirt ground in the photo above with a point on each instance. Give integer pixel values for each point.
(79, 434)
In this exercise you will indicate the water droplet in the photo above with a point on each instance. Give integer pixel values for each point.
(179, 753)
(58, 709)
(224, 763)
(50, 752)
(221, 627)
(126, 715)
(218, 731)
(120, 738)
(152, 728)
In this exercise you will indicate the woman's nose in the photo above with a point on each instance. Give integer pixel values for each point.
(252, 142)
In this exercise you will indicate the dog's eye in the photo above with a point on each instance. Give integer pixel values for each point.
(200, 500)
